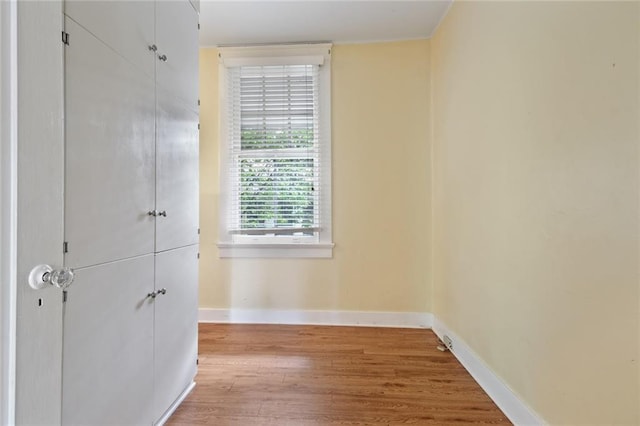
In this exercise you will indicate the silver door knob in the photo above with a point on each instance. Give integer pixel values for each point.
(153, 48)
(163, 58)
(153, 213)
(44, 275)
(156, 293)
(162, 213)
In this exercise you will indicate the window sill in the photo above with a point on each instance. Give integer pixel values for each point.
(276, 251)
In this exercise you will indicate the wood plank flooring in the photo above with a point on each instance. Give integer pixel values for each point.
(315, 375)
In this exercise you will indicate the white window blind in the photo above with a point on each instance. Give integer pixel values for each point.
(275, 151)
(274, 148)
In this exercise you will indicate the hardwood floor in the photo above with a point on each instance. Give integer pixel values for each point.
(316, 375)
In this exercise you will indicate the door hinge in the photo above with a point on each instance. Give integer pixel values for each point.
(197, 361)
(198, 126)
(198, 255)
(65, 247)
(198, 231)
(65, 38)
(198, 102)
(64, 296)
(198, 25)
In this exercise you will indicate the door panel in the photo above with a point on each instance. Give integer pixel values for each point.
(176, 174)
(108, 345)
(110, 176)
(131, 37)
(40, 178)
(178, 74)
(176, 325)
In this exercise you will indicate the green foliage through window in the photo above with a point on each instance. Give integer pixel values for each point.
(276, 192)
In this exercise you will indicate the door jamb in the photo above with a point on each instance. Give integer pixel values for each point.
(8, 212)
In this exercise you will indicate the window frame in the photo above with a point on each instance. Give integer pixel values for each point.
(265, 246)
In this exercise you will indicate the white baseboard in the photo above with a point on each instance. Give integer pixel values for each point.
(299, 317)
(509, 402)
(175, 405)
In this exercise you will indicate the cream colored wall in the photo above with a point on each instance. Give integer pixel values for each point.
(381, 194)
(536, 219)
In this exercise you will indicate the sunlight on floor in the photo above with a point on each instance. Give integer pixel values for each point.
(265, 361)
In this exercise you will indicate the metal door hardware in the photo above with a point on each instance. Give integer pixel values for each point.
(44, 275)
(156, 293)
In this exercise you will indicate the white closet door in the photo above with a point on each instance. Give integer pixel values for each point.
(108, 345)
(178, 43)
(125, 26)
(176, 174)
(176, 325)
(110, 176)
(40, 187)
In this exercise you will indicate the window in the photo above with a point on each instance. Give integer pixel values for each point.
(275, 140)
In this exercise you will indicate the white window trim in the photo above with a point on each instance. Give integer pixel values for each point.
(319, 54)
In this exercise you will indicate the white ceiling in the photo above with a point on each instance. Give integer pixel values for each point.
(232, 22)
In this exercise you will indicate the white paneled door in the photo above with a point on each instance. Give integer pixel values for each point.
(132, 36)
(177, 173)
(178, 54)
(108, 345)
(110, 151)
(176, 322)
(40, 183)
